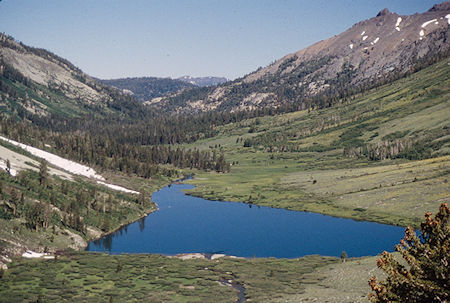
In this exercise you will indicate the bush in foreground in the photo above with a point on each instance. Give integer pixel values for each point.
(426, 276)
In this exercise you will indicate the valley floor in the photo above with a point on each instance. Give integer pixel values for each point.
(382, 156)
(313, 161)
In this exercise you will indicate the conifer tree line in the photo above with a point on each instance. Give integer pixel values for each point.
(112, 153)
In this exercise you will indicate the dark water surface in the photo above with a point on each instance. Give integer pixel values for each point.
(185, 224)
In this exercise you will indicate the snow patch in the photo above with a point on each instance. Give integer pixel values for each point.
(364, 38)
(31, 255)
(428, 22)
(399, 19)
(421, 33)
(397, 28)
(118, 188)
(363, 33)
(70, 166)
(448, 18)
(351, 46)
(375, 41)
(12, 171)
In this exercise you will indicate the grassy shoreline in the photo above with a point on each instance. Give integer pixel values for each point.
(398, 190)
(300, 160)
(321, 208)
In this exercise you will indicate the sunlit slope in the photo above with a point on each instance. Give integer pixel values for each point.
(35, 83)
(371, 52)
(381, 156)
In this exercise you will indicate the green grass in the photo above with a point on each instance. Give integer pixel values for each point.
(290, 151)
(339, 282)
(93, 277)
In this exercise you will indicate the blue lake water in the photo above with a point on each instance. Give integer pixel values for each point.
(186, 224)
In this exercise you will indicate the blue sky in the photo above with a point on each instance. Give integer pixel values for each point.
(168, 38)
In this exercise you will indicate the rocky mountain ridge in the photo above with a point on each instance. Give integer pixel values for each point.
(371, 52)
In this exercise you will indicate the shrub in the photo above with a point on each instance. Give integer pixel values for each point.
(426, 277)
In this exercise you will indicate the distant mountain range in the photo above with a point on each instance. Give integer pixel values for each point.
(146, 88)
(203, 81)
(370, 53)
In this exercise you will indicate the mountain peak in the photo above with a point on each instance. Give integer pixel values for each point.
(372, 51)
(383, 12)
(444, 6)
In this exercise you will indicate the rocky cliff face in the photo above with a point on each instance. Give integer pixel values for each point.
(49, 70)
(370, 52)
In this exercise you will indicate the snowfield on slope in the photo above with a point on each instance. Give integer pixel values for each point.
(117, 187)
(12, 171)
(32, 255)
(67, 165)
(428, 22)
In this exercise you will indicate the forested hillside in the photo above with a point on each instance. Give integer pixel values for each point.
(68, 110)
(50, 104)
(147, 88)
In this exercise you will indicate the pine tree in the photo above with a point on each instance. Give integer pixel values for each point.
(43, 173)
(8, 166)
(427, 276)
(106, 224)
(14, 200)
(343, 256)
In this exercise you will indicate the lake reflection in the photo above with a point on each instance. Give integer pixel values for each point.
(185, 224)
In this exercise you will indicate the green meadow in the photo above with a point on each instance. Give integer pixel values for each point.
(297, 160)
(94, 277)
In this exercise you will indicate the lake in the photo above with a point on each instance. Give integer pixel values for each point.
(186, 224)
